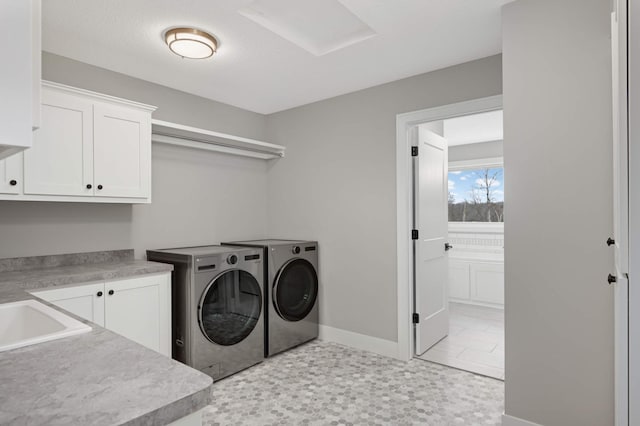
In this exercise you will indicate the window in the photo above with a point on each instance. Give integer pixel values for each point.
(476, 194)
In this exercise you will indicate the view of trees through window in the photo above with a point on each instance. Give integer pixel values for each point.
(476, 195)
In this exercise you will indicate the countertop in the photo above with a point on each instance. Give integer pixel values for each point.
(95, 378)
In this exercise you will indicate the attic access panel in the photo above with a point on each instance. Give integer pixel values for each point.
(318, 26)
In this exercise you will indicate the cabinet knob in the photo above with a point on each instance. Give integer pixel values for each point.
(610, 241)
(111, 292)
(447, 246)
(612, 279)
(99, 186)
(13, 182)
(89, 186)
(99, 294)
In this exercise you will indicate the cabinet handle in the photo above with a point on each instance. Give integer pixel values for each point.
(111, 292)
(99, 294)
(89, 186)
(13, 182)
(99, 186)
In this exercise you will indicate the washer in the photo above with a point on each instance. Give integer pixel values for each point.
(291, 296)
(217, 302)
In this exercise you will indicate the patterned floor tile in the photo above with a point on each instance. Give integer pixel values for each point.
(324, 383)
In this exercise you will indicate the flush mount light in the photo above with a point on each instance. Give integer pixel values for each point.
(191, 43)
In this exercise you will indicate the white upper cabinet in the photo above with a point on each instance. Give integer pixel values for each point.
(89, 148)
(122, 152)
(11, 175)
(61, 160)
(19, 74)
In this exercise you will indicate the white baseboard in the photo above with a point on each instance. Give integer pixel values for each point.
(514, 421)
(359, 341)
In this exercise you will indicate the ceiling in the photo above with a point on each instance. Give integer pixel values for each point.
(475, 128)
(259, 67)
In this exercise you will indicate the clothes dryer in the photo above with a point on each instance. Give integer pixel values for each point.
(291, 292)
(217, 302)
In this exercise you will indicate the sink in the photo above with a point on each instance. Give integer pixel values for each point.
(29, 322)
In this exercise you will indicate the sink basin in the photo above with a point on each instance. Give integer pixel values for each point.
(29, 322)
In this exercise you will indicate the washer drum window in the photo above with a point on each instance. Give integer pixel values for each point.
(230, 307)
(295, 290)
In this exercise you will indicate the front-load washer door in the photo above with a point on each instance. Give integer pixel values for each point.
(295, 290)
(230, 307)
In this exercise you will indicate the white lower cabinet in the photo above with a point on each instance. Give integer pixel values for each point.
(137, 308)
(487, 281)
(459, 280)
(86, 301)
(477, 282)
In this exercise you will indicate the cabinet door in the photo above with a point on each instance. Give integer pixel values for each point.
(122, 152)
(140, 309)
(85, 301)
(61, 159)
(16, 76)
(11, 174)
(459, 280)
(487, 282)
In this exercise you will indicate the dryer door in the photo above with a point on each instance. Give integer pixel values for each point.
(295, 290)
(230, 307)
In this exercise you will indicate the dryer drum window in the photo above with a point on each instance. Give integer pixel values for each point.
(295, 290)
(230, 307)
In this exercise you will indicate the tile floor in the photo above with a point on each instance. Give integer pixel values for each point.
(475, 342)
(322, 383)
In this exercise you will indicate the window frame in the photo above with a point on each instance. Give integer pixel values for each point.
(479, 227)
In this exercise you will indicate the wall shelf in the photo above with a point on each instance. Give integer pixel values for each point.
(192, 137)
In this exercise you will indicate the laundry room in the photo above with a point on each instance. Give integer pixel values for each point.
(209, 213)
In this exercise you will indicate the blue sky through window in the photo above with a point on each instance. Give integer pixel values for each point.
(462, 184)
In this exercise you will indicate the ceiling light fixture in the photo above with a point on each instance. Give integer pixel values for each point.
(191, 43)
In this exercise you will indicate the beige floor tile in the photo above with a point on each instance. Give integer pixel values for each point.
(475, 342)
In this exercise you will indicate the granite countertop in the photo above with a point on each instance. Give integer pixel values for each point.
(96, 378)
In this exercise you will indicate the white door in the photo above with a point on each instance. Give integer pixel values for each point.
(11, 174)
(122, 148)
(85, 301)
(140, 309)
(430, 259)
(61, 159)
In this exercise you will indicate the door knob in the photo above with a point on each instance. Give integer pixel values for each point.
(447, 246)
(610, 241)
(612, 279)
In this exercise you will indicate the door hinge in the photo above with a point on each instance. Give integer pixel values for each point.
(416, 318)
(414, 151)
(414, 234)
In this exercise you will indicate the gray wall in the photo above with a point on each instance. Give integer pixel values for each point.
(173, 105)
(337, 185)
(557, 151)
(474, 151)
(198, 197)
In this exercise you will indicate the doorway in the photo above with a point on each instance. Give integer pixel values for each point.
(473, 301)
(470, 280)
